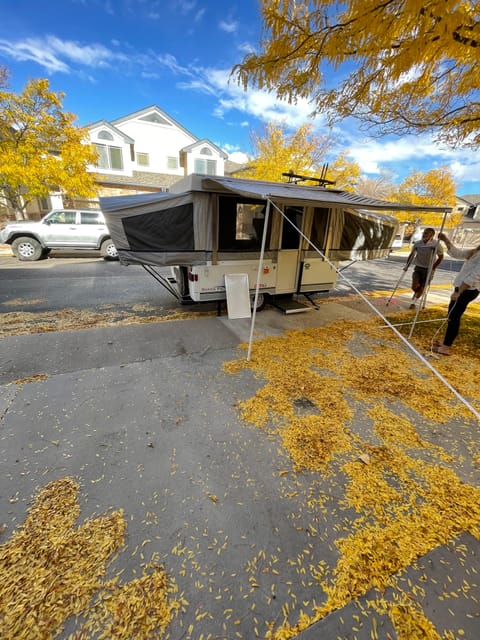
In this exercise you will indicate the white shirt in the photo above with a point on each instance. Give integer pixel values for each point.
(470, 271)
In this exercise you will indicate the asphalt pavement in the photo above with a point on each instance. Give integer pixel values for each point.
(146, 420)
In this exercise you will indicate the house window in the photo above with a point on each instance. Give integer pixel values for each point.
(143, 159)
(44, 204)
(154, 117)
(172, 162)
(109, 157)
(209, 167)
(105, 135)
(205, 151)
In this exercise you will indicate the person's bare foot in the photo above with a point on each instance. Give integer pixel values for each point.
(442, 349)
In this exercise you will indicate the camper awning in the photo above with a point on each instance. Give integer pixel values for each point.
(315, 196)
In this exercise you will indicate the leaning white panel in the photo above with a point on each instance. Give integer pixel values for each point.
(238, 295)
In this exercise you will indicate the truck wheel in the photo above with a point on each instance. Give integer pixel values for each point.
(108, 250)
(27, 249)
(261, 301)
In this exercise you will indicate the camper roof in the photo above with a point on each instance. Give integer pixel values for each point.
(288, 192)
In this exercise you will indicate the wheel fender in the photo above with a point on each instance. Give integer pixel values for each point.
(102, 240)
(16, 235)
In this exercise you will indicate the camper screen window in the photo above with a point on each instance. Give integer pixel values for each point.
(168, 230)
(363, 233)
(240, 225)
(319, 228)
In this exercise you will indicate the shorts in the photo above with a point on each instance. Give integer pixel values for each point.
(419, 276)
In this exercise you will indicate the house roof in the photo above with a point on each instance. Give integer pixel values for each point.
(153, 109)
(107, 125)
(471, 199)
(204, 141)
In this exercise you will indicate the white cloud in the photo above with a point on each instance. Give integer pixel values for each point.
(467, 171)
(33, 50)
(229, 27)
(403, 155)
(185, 6)
(170, 62)
(262, 105)
(238, 156)
(56, 55)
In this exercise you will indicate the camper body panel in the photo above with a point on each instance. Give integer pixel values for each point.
(317, 275)
(207, 283)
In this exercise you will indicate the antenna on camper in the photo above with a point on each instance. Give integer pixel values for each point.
(322, 181)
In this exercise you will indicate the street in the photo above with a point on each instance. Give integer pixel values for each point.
(89, 282)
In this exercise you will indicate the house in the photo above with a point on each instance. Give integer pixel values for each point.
(147, 151)
(469, 206)
(467, 232)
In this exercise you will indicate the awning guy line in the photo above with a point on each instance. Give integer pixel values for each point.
(443, 380)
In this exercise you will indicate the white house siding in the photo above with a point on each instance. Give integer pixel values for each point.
(160, 142)
(167, 150)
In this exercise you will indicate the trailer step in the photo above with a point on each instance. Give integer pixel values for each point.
(289, 306)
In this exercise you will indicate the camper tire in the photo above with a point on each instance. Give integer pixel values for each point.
(261, 301)
(108, 250)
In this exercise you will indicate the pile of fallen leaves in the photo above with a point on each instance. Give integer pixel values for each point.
(52, 570)
(70, 319)
(401, 484)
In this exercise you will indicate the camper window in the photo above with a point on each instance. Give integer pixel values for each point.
(290, 235)
(240, 225)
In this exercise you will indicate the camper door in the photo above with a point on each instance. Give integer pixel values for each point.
(289, 254)
(316, 273)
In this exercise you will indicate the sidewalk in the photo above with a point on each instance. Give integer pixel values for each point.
(146, 420)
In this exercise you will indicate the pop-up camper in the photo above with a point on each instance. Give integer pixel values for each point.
(209, 227)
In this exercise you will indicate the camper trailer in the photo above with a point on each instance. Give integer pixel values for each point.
(283, 238)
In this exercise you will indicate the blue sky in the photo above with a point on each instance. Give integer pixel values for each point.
(114, 57)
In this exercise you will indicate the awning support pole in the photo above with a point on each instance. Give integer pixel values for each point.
(259, 273)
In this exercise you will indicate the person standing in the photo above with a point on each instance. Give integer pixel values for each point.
(466, 289)
(422, 255)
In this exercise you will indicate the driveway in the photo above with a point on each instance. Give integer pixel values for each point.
(146, 419)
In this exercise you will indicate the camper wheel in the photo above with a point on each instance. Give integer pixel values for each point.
(261, 301)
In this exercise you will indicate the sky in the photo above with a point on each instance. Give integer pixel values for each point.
(114, 57)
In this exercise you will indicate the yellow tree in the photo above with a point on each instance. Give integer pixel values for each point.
(344, 173)
(434, 188)
(398, 65)
(380, 187)
(41, 149)
(275, 151)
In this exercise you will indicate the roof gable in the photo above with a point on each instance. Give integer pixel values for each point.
(472, 198)
(203, 142)
(153, 115)
(103, 124)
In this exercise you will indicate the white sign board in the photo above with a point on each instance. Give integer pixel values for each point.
(238, 295)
